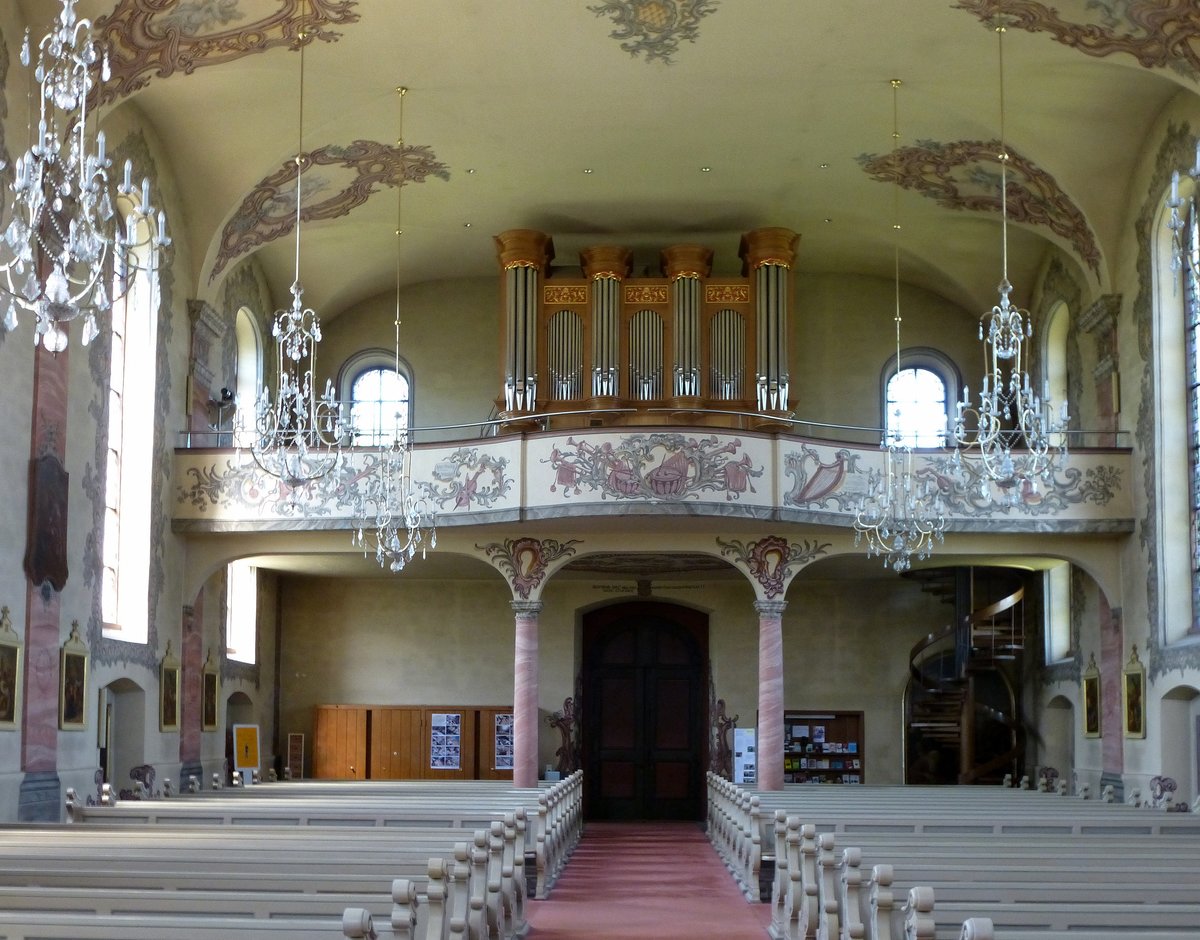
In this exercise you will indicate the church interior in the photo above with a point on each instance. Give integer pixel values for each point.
(672, 509)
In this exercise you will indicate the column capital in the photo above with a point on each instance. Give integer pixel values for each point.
(763, 246)
(524, 247)
(686, 261)
(770, 608)
(527, 608)
(610, 261)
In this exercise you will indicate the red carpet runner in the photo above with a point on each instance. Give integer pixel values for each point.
(658, 881)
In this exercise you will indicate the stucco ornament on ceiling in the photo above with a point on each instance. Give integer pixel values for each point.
(654, 28)
(1158, 33)
(269, 211)
(965, 174)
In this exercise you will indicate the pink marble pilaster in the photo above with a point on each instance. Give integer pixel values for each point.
(39, 714)
(525, 694)
(1112, 658)
(191, 664)
(769, 756)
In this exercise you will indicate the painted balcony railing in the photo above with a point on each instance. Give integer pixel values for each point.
(665, 471)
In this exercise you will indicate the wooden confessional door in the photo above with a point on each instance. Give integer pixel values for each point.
(645, 712)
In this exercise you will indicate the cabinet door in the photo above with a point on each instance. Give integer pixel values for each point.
(496, 743)
(340, 742)
(450, 744)
(396, 747)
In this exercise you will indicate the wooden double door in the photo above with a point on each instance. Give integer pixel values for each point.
(645, 711)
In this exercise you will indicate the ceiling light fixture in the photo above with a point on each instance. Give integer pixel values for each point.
(901, 516)
(394, 523)
(298, 436)
(64, 233)
(1019, 438)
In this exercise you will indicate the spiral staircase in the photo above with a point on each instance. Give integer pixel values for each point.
(965, 679)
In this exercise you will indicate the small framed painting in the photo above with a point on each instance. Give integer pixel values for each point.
(168, 692)
(1133, 688)
(1091, 699)
(10, 674)
(209, 691)
(72, 681)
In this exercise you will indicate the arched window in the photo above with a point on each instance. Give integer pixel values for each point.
(128, 479)
(1191, 318)
(916, 400)
(247, 382)
(380, 397)
(241, 611)
(1175, 468)
(916, 408)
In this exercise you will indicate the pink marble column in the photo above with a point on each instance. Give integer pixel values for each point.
(769, 755)
(191, 676)
(1112, 659)
(525, 694)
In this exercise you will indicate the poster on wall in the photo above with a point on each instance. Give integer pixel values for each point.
(245, 749)
(445, 741)
(744, 764)
(504, 742)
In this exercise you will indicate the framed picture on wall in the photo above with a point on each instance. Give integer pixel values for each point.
(1091, 699)
(168, 692)
(10, 674)
(1133, 696)
(209, 692)
(72, 681)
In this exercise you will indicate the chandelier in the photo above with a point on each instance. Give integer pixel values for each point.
(1178, 222)
(1015, 430)
(901, 516)
(64, 235)
(393, 522)
(298, 436)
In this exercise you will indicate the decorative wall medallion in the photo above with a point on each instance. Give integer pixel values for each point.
(1159, 34)
(354, 173)
(964, 174)
(654, 27)
(727, 293)
(664, 466)
(523, 561)
(770, 560)
(564, 294)
(646, 294)
(467, 478)
(816, 483)
(149, 39)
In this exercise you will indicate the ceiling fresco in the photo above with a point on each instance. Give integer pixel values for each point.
(654, 28)
(1158, 33)
(965, 174)
(269, 212)
(152, 39)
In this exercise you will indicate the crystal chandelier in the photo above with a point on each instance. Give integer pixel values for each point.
(298, 436)
(1178, 221)
(64, 234)
(393, 522)
(1018, 436)
(901, 516)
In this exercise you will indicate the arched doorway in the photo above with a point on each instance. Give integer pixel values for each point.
(122, 731)
(239, 710)
(644, 711)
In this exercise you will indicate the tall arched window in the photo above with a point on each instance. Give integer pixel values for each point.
(247, 383)
(380, 396)
(915, 407)
(1191, 317)
(128, 480)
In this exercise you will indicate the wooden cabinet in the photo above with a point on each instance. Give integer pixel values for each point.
(412, 742)
(823, 747)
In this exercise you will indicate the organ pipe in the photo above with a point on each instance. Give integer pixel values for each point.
(524, 255)
(769, 253)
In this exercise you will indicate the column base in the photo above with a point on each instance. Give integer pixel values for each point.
(40, 798)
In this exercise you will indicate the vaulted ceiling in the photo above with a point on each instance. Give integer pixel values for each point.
(643, 123)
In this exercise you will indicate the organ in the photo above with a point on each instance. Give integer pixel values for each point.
(599, 346)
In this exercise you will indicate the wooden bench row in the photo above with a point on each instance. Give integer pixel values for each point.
(557, 814)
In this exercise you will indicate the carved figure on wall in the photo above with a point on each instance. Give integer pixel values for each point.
(720, 759)
(565, 720)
